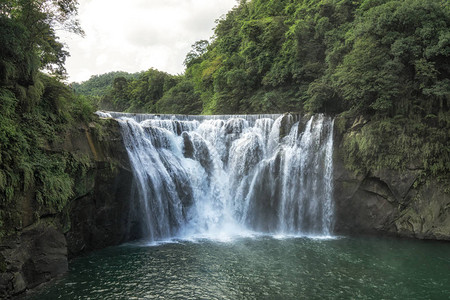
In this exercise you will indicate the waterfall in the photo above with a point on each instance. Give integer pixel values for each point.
(210, 175)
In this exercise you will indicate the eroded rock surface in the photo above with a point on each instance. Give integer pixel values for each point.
(38, 255)
(389, 202)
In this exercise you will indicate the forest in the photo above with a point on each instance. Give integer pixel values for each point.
(385, 63)
(36, 108)
(372, 57)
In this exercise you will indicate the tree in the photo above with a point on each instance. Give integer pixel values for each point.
(194, 56)
(40, 19)
(181, 99)
(399, 60)
(36, 109)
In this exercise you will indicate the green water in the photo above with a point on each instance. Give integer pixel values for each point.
(261, 268)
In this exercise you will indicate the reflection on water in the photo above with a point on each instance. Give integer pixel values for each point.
(261, 267)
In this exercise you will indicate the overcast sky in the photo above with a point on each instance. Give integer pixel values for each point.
(136, 35)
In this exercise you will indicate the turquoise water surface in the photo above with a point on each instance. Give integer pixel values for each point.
(261, 267)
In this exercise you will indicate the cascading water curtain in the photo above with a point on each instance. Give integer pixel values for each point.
(206, 175)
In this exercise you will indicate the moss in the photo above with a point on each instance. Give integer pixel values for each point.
(399, 144)
(31, 140)
(78, 166)
(55, 185)
(102, 126)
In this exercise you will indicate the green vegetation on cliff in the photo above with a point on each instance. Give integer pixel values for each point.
(36, 110)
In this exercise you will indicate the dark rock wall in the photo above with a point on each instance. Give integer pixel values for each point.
(97, 216)
(389, 202)
(36, 256)
(100, 214)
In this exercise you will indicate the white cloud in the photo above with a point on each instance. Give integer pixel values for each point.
(136, 35)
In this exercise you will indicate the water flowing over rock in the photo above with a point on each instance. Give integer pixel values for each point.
(210, 175)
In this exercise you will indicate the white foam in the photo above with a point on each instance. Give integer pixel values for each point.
(227, 178)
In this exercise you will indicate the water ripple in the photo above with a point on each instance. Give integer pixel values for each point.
(262, 267)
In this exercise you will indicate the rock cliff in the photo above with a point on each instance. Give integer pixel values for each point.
(388, 201)
(96, 217)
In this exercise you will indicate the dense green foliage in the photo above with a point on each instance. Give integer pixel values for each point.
(374, 57)
(387, 60)
(121, 91)
(36, 110)
(100, 85)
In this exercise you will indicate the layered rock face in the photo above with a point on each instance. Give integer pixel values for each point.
(36, 256)
(99, 213)
(96, 217)
(389, 202)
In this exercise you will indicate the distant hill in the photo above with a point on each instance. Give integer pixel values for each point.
(99, 85)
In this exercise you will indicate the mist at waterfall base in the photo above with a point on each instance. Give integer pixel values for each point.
(241, 207)
(219, 177)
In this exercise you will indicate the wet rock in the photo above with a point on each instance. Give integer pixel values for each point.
(188, 149)
(368, 206)
(285, 126)
(362, 206)
(387, 202)
(99, 219)
(202, 155)
(234, 126)
(245, 154)
(196, 148)
(100, 211)
(428, 216)
(18, 283)
(377, 187)
(399, 183)
(178, 127)
(35, 256)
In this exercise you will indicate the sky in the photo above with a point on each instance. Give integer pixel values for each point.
(136, 35)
